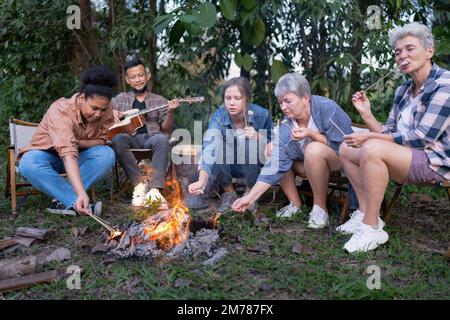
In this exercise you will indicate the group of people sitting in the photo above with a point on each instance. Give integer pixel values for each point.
(314, 139)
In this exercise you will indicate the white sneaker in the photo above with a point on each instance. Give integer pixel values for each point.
(366, 238)
(354, 223)
(153, 195)
(287, 211)
(139, 195)
(318, 218)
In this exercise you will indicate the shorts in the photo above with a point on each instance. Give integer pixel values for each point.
(420, 171)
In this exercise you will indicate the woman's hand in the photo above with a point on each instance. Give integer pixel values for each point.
(118, 116)
(300, 133)
(250, 132)
(361, 103)
(357, 139)
(197, 187)
(241, 204)
(82, 205)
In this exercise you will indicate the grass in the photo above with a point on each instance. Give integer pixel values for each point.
(268, 258)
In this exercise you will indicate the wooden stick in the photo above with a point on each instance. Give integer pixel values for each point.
(338, 127)
(28, 281)
(104, 224)
(395, 69)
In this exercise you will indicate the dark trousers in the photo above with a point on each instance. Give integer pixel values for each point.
(244, 163)
(225, 172)
(159, 143)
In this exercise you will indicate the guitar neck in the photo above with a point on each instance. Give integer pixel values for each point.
(150, 110)
(160, 107)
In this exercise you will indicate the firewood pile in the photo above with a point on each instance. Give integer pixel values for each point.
(23, 271)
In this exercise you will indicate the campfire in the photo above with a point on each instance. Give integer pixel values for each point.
(167, 229)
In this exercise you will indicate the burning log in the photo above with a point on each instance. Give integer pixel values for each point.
(168, 230)
(157, 233)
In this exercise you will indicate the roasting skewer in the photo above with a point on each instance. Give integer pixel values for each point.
(404, 63)
(114, 232)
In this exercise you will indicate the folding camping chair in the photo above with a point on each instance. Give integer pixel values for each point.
(20, 133)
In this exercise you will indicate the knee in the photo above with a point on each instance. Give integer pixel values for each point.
(119, 141)
(345, 151)
(105, 154)
(315, 150)
(160, 140)
(372, 149)
(109, 156)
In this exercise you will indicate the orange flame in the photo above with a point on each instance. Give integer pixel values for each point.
(172, 228)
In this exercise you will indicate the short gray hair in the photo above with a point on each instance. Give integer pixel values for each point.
(415, 29)
(292, 82)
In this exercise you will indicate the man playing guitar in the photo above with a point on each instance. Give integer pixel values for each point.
(154, 134)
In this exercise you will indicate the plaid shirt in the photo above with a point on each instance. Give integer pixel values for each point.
(430, 123)
(124, 101)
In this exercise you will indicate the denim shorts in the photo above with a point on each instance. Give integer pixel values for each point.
(420, 171)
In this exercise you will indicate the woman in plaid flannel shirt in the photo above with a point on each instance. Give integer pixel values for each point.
(412, 147)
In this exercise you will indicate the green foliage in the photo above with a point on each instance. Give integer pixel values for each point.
(190, 49)
(228, 8)
(34, 59)
(278, 69)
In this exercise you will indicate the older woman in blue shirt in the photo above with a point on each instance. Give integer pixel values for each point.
(310, 133)
(234, 143)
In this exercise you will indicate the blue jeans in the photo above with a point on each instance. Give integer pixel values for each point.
(42, 168)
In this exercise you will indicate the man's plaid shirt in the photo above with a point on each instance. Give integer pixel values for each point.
(124, 102)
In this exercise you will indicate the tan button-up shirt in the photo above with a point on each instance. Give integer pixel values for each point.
(124, 102)
(62, 127)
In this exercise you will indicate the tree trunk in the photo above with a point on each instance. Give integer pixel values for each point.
(81, 42)
(323, 54)
(117, 8)
(356, 52)
(152, 58)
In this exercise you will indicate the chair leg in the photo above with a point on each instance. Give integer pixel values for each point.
(344, 211)
(274, 193)
(392, 203)
(12, 174)
(115, 180)
(111, 192)
(8, 173)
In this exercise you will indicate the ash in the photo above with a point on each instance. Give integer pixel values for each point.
(203, 245)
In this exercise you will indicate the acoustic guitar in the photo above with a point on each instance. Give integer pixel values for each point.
(135, 118)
